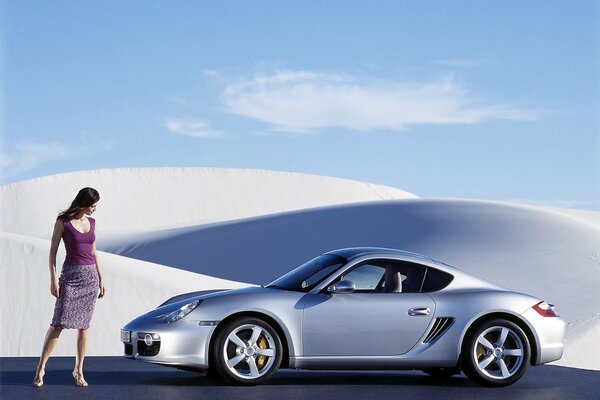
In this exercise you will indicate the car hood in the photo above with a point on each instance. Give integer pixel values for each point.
(191, 296)
(232, 294)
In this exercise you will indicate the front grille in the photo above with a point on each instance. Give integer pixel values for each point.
(439, 327)
(148, 351)
(129, 349)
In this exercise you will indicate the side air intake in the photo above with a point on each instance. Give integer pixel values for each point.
(440, 326)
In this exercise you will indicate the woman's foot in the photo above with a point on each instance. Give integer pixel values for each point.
(79, 380)
(38, 381)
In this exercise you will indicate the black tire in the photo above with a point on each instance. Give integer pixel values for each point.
(253, 361)
(442, 372)
(210, 373)
(496, 353)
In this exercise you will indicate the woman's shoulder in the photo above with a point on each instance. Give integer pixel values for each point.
(59, 226)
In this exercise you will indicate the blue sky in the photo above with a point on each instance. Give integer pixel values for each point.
(464, 99)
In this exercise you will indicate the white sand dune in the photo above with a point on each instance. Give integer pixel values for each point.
(581, 350)
(134, 287)
(585, 216)
(252, 226)
(523, 248)
(144, 199)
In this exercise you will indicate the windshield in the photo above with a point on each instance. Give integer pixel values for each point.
(310, 274)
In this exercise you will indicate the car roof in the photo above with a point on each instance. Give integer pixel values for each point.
(354, 252)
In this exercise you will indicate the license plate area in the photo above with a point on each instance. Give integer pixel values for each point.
(126, 336)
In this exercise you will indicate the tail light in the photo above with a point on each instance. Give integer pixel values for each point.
(545, 309)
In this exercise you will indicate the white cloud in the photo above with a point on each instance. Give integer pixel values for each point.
(29, 154)
(300, 101)
(191, 127)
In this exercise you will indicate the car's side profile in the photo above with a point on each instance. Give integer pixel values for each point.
(357, 308)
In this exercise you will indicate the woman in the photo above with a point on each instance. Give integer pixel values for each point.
(80, 282)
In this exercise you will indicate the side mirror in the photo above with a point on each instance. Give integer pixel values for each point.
(342, 287)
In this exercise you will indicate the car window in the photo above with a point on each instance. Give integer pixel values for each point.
(404, 277)
(318, 276)
(366, 277)
(395, 276)
(436, 280)
(309, 274)
(387, 276)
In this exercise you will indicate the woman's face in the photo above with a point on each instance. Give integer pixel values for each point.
(91, 209)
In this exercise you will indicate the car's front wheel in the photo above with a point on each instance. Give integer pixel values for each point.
(495, 353)
(246, 351)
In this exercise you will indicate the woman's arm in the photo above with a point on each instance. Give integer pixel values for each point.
(100, 280)
(56, 235)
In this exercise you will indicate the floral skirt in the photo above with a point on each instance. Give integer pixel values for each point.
(77, 296)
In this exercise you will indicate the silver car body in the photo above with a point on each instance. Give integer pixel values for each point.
(320, 330)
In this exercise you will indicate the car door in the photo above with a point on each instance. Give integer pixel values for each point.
(367, 322)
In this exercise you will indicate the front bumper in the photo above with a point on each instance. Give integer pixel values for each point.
(180, 344)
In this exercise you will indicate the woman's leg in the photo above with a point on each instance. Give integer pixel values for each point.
(49, 344)
(81, 346)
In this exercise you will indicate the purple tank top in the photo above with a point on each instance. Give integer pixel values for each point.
(79, 245)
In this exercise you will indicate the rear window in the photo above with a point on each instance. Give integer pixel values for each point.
(436, 280)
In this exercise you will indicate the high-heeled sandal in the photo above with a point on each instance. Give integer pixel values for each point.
(79, 381)
(38, 381)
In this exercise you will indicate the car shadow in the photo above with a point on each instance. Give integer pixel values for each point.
(382, 378)
(282, 378)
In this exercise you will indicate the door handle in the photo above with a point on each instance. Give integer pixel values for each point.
(419, 311)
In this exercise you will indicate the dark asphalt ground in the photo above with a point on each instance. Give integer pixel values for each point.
(115, 378)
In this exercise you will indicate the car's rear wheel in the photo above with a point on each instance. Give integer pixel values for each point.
(495, 353)
(246, 351)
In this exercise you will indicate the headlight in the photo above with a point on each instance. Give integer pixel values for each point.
(181, 311)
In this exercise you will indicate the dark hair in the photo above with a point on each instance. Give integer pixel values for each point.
(85, 198)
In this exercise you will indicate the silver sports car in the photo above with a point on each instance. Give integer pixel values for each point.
(356, 308)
